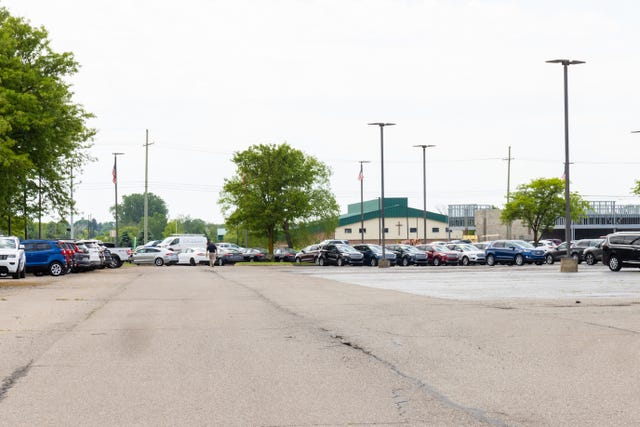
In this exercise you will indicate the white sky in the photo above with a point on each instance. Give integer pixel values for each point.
(209, 78)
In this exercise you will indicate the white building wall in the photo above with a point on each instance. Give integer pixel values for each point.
(399, 229)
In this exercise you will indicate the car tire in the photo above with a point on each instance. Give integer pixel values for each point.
(549, 259)
(519, 260)
(23, 273)
(576, 257)
(298, 260)
(465, 261)
(220, 262)
(17, 274)
(321, 261)
(340, 262)
(614, 263)
(56, 269)
(192, 262)
(404, 262)
(590, 259)
(373, 262)
(491, 260)
(436, 261)
(159, 262)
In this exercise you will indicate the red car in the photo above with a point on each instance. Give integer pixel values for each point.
(440, 255)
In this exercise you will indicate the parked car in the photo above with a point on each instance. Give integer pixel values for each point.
(516, 252)
(118, 255)
(96, 255)
(373, 254)
(45, 256)
(193, 256)
(13, 260)
(436, 255)
(468, 253)
(154, 255)
(255, 254)
(79, 256)
(339, 254)
(284, 255)
(621, 249)
(308, 254)
(593, 254)
(229, 256)
(560, 251)
(408, 255)
(153, 243)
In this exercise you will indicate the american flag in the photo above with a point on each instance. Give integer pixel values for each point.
(114, 173)
(360, 175)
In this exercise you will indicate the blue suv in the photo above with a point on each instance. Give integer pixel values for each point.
(45, 256)
(516, 252)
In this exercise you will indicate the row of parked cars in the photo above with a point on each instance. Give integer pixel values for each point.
(55, 257)
(515, 252)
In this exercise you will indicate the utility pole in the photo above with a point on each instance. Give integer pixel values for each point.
(508, 159)
(71, 233)
(146, 188)
(115, 183)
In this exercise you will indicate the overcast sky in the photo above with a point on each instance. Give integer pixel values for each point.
(210, 78)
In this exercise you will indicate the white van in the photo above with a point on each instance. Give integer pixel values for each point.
(180, 242)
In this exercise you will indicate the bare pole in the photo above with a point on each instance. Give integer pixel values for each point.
(508, 159)
(424, 188)
(146, 188)
(361, 178)
(115, 183)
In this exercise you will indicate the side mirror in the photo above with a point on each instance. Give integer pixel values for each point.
(21, 246)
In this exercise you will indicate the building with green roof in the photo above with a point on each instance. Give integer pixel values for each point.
(402, 223)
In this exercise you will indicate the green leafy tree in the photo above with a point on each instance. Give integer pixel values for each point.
(43, 134)
(275, 188)
(636, 189)
(539, 203)
(131, 210)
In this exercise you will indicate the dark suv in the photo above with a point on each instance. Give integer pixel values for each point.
(46, 256)
(621, 250)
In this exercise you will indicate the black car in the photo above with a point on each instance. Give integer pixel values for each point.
(339, 254)
(593, 254)
(560, 251)
(284, 255)
(373, 254)
(408, 255)
(255, 254)
(308, 254)
(621, 250)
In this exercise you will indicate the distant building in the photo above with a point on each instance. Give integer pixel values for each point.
(402, 223)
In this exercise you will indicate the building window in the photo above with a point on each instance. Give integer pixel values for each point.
(386, 230)
(435, 230)
(413, 230)
(362, 230)
(347, 231)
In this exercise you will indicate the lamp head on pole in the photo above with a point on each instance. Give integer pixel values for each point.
(423, 146)
(381, 124)
(565, 62)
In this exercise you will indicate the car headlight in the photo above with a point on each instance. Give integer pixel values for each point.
(11, 256)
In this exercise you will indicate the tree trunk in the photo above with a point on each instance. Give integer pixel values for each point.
(271, 233)
(287, 234)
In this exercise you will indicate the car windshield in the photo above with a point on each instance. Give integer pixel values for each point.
(412, 250)
(347, 249)
(469, 247)
(7, 244)
(523, 244)
(376, 249)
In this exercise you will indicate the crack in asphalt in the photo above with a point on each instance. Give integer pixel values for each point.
(475, 413)
(11, 380)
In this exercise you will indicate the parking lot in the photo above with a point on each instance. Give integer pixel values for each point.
(492, 283)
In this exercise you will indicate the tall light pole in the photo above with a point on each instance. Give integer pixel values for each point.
(115, 183)
(424, 188)
(361, 179)
(145, 236)
(384, 262)
(567, 194)
(508, 159)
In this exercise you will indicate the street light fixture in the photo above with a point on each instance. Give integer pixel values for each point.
(361, 179)
(424, 188)
(567, 194)
(384, 262)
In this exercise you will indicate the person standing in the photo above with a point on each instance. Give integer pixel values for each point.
(212, 251)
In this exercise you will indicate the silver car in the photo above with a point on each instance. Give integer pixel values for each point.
(153, 255)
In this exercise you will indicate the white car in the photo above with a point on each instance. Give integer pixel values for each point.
(469, 254)
(12, 258)
(193, 256)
